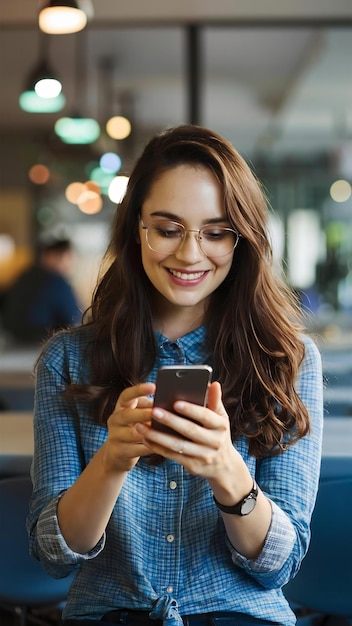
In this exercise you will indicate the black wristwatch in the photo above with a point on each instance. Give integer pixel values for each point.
(245, 506)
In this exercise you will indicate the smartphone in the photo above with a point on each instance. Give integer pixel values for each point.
(180, 382)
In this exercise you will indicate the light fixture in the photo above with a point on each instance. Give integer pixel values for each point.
(42, 93)
(60, 18)
(77, 128)
(117, 126)
(46, 84)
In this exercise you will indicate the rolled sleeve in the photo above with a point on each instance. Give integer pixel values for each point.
(278, 546)
(52, 543)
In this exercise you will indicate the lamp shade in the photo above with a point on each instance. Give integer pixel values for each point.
(59, 17)
(77, 130)
(30, 102)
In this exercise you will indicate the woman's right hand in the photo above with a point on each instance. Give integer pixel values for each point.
(85, 508)
(124, 445)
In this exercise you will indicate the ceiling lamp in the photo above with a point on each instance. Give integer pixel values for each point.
(60, 18)
(42, 93)
(77, 130)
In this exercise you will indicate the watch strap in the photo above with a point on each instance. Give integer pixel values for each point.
(245, 506)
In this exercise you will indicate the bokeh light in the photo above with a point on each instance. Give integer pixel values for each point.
(110, 162)
(90, 202)
(80, 130)
(102, 178)
(39, 174)
(117, 188)
(118, 127)
(74, 191)
(340, 190)
(30, 102)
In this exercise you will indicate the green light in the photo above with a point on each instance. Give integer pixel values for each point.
(30, 102)
(79, 130)
(102, 178)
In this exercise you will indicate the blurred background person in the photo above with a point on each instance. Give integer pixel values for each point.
(42, 299)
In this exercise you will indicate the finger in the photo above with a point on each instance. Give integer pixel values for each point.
(127, 418)
(144, 402)
(130, 396)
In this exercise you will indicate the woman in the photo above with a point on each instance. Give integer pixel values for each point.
(206, 525)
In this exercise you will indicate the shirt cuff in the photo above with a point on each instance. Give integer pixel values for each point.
(52, 543)
(278, 545)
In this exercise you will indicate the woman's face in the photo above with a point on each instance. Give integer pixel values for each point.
(189, 195)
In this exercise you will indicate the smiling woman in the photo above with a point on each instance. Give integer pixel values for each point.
(221, 500)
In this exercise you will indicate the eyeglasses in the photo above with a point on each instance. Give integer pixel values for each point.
(166, 237)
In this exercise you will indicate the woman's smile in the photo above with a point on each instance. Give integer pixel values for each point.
(187, 277)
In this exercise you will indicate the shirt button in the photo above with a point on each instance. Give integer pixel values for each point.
(173, 484)
(170, 538)
(170, 589)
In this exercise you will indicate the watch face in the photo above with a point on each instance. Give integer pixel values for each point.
(248, 506)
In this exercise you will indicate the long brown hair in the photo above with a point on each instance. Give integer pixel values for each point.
(254, 336)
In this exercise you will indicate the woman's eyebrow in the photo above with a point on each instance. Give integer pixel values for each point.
(176, 218)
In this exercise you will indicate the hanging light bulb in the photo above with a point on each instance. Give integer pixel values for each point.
(60, 17)
(43, 89)
(46, 85)
(42, 93)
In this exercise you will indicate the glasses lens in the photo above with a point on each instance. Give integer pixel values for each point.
(217, 241)
(165, 237)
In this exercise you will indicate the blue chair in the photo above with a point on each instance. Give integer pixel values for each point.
(324, 581)
(336, 467)
(24, 584)
(15, 465)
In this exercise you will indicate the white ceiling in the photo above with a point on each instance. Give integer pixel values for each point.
(285, 85)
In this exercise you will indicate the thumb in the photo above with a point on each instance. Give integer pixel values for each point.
(215, 399)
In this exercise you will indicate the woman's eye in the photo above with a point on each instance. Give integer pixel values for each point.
(168, 232)
(214, 234)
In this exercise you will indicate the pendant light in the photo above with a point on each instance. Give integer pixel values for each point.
(42, 92)
(60, 17)
(78, 129)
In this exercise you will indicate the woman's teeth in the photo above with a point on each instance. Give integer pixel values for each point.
(186, 276)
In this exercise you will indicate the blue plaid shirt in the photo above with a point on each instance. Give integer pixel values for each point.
(165, 548)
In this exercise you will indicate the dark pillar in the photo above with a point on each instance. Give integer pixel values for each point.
(193, 74)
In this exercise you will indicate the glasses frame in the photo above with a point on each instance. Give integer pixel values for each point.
(191, 230)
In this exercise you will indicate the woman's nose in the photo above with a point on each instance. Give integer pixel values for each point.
(190, 249)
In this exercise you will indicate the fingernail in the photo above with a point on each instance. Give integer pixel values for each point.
(158, 413)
